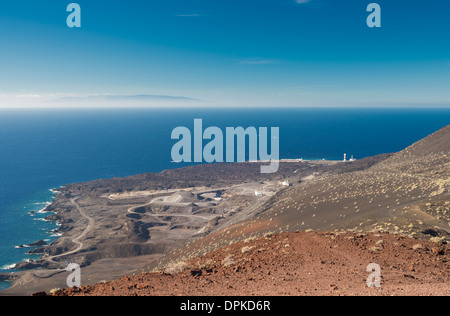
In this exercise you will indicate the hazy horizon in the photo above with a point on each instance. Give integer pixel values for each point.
(253, 53)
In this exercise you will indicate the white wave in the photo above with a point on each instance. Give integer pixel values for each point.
(56, 190)
(22, 246)
(42, 219)
(43, 211)
(42, 203)
(8, 266)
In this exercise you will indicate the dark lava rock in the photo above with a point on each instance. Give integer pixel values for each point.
(38, 243)
(137, 231)
(36, 251)
(196, 272)
(6, 277)
(134, 216)
(141, 210)
(53, 218)
(26, 266)
(431, 232)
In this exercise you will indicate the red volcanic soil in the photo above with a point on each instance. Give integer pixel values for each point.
(295, 264)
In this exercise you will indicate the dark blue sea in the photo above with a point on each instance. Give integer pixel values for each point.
(44, 149)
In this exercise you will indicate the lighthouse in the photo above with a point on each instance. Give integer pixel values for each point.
(345, 157)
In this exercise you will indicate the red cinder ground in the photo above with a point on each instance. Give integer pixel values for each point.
(297, 264)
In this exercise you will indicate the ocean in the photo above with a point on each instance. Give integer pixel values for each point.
(44, 149)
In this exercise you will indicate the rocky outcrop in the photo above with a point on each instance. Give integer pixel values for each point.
(59, 247)
(38, 243)
(136, 231)
(37, 251)
(32, 264)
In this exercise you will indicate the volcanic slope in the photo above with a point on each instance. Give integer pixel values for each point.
(292, 264)
(406, 194)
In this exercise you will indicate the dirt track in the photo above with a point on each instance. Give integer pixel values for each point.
(80, 237)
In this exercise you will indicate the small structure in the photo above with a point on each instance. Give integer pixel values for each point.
(258, 193)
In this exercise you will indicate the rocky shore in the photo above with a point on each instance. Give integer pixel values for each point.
(145, 223)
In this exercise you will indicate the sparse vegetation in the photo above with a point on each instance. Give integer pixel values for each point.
(228, 261)
(246, 249)
(417, 247)
(53, 291)
(176, 267)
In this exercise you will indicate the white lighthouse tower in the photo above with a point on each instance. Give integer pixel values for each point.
(345, 157)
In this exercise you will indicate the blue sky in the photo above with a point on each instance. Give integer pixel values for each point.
(225, 53)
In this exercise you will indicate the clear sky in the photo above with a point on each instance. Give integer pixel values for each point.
(224, 53)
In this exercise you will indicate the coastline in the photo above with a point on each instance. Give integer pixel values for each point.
(126, 243)
(57, 245)
(52, 216)
(35, 244)
(133, 231)
(202, 202)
